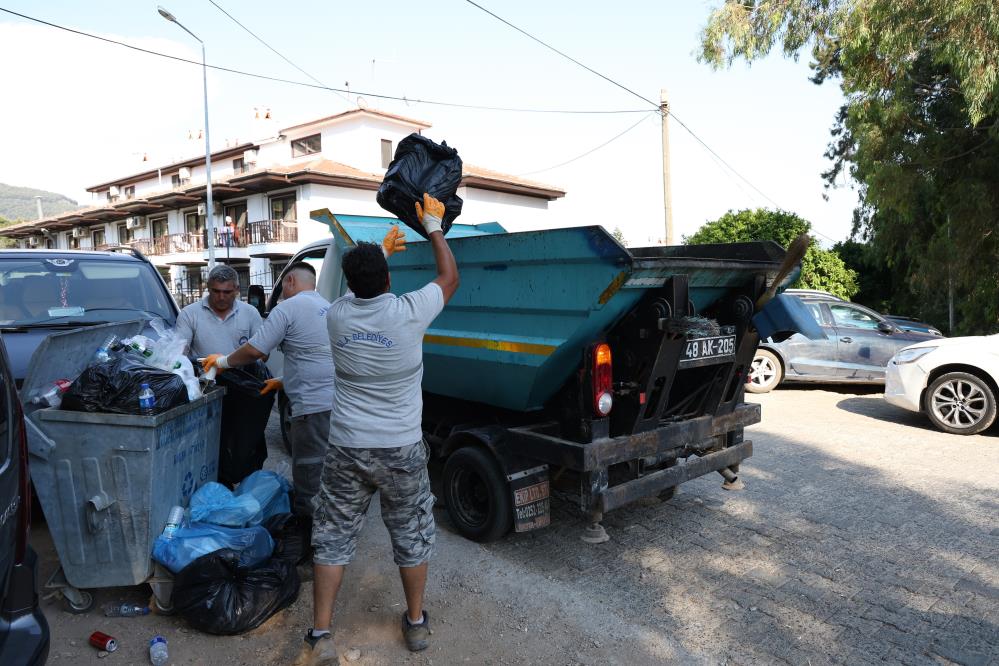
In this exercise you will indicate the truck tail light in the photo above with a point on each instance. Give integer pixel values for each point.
(24, 489)
(603, 398)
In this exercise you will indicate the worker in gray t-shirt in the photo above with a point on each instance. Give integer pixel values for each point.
(376, 439)
(298, 327)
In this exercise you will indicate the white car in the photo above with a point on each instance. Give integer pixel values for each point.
(954, 381)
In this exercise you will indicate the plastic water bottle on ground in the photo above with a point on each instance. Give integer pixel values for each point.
(158, 651)
(104, 351)
(147, 400)
(125, 610)
(51, 395)
(173, 522)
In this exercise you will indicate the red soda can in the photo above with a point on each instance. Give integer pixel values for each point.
(102, 641)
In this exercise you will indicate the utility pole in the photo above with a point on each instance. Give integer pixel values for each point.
(38, 206)
(667, 181)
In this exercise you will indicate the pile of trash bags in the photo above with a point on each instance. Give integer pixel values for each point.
(113, 381)
(235, 557)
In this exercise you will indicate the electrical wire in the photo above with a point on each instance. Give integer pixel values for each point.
(592, 150)
(304, 84)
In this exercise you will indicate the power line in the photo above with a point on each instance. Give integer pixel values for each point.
(274, 50)
(275, 79)
(595, 149)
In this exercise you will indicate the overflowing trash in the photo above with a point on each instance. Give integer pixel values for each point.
(419, 166)
(114, 387)
(259, 496)
(189, 542)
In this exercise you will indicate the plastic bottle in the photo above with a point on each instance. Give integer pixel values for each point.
(51, 396)
(125, 610)
(173, 521)
(147, 400)
(104, 351)
(158, 651)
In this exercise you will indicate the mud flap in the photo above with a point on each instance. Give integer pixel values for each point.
(531, 498)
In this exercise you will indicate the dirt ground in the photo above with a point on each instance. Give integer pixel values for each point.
(863, 536)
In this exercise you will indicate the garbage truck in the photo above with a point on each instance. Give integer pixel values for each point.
(567, 362)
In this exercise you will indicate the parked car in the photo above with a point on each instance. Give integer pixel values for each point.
(813, 293)
(954, 381)
(24, 633)
(859, 342)
(42, 291)
(910, 324)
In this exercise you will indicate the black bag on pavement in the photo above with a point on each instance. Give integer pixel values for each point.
(218, 596)
(114, 386)
(420, 165)
(243, 445)
(292, 537)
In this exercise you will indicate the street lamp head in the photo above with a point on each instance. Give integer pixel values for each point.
(167, 15)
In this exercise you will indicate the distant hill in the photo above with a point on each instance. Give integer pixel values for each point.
(18, 203)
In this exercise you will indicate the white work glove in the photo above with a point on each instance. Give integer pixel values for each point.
(430, 213)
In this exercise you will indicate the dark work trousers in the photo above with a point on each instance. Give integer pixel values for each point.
(309, 440)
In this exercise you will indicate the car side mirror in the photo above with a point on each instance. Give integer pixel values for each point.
(885, 327)
(255, 296)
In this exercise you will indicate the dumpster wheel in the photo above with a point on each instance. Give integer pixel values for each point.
(477, 495)
(84, 602)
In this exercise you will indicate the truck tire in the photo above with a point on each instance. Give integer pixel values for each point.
(284, 416)
(765, 372)
(477, 495)
(960, 403)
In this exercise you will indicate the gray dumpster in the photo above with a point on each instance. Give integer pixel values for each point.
(106, 482)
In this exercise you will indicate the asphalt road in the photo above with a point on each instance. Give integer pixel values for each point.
(863, 536)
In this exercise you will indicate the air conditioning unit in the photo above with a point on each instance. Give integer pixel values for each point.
(79, 232)
(249, 156)
(134, 223)
(184, 173)
(113, 191)
(33, 241)
(202, 209)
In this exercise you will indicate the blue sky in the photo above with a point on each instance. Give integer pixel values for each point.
(103, 105)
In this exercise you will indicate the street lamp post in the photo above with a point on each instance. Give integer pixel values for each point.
(208, 151)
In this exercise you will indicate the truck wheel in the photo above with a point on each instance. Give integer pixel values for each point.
(477, 495)
(960, 403)
(765, 372)
(284, 412)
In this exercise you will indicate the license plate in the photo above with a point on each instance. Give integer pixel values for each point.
(531, 499)
(701, 351)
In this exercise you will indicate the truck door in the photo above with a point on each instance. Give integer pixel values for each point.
(863, 350)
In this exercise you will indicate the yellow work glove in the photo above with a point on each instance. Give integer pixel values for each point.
(219, 361)
(394, 241)
(430, 213)
(271, 385)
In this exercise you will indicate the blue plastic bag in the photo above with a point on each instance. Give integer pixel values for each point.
(254, 545)
(270, 489)
(216, 504)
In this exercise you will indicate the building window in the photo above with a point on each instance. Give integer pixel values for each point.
(49, 244)
(386, 153)
(71, 242)
(97, 237)
(306, 146)
(194, 223)
(129, 192)
(283, 208)
(175, 180)
(238, 165)
(159, 227)
(124, 234)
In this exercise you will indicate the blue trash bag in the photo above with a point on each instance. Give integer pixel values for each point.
(216, 504)
(270, 489)
(254, 545)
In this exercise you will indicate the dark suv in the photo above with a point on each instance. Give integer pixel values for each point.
(24, 633)
(42, 291)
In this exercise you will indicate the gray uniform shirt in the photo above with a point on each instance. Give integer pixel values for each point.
(298, 326)
(207, 334)
(378, 350)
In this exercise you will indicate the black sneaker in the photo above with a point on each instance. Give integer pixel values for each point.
(318, 652)
(417, 635)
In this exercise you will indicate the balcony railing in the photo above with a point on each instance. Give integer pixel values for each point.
(178, 243)
(228, 238)
(273, 231)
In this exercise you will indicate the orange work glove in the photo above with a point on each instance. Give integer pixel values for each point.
(430, 213)
(214, 361)
(394, 241)
(271, 385)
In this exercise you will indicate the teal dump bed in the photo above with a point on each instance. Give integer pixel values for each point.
(530, 303)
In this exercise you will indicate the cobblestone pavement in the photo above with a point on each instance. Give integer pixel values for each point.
(863, 536)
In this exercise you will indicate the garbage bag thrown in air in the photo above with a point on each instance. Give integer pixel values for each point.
(243, 447)
(420, 165)
(114, 386)
(214, 503)
(218, 594)
(269, 489)
(292, 536)
(252, 545)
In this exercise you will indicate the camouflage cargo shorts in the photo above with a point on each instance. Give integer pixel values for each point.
(350, 477)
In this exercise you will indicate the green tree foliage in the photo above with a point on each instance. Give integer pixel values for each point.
(618, 235)
(917, 132)
(820, 269)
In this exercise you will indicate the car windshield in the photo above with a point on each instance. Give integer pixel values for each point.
(63, 290)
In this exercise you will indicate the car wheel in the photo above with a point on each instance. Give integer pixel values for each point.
(477, 495)
(284, 412)
(960, 403)
(765, 372)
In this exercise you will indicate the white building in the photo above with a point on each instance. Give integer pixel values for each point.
(263, 193)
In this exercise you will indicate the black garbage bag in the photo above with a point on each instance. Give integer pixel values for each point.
(420, 165)
(218, 596)
(114, 386)
(292, 537)
(243, 446)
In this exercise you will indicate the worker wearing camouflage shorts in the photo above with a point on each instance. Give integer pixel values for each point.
(375, 432)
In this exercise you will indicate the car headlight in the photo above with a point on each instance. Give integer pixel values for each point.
(910, 355)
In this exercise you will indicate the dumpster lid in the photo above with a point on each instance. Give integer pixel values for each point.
(65, 354)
